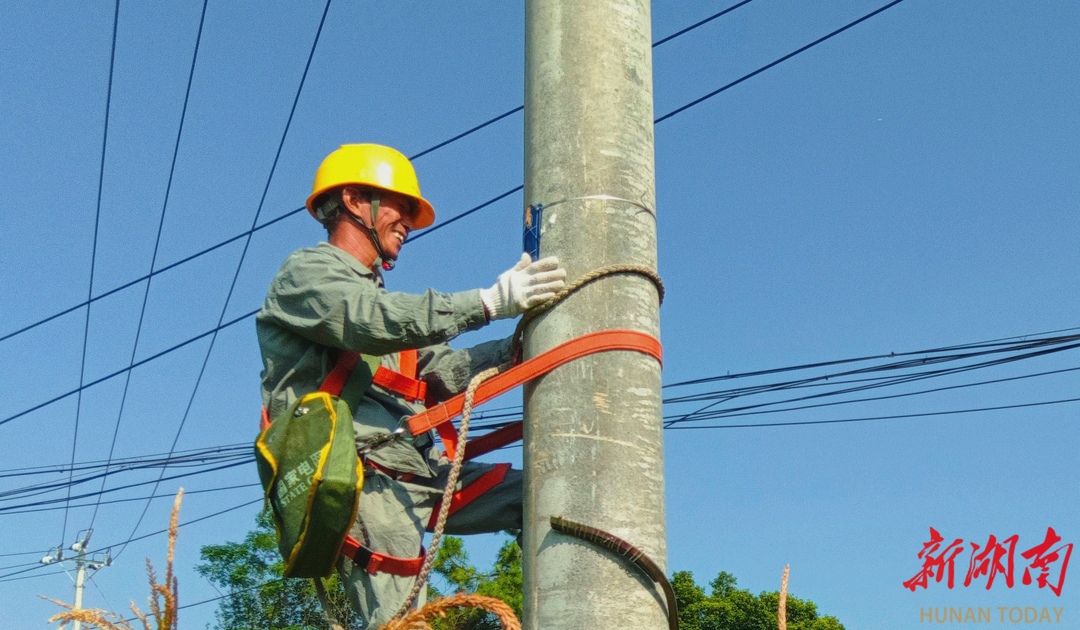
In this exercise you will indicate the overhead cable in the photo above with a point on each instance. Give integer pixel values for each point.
(302, 208)
(8, 508)
(777, 62)
(141, 362)
(243, 254)
(243, 486)
(145, 536)
(153, 257)
(93, 250)
(907, 363)
(138, 460)
(927, 414)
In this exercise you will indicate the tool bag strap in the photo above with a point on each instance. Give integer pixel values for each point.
(439, 416)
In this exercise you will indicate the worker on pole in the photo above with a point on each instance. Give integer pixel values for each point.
(329, 299)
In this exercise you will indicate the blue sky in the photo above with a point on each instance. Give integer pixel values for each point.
(908, 185)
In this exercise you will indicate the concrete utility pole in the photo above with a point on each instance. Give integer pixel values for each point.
(82, 562)
(593, 440)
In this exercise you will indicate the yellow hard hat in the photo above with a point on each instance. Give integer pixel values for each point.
(371, 165)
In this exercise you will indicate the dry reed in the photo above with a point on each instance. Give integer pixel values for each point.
(781, 613)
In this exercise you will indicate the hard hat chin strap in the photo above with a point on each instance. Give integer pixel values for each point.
(387, 262)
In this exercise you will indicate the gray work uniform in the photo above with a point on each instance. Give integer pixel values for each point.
(323, 300)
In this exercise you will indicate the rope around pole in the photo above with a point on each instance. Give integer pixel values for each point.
(610, 270)
(448, 493)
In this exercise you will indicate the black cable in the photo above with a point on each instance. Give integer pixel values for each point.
(701, 23)
(150, 497)
(93, 250)
(135, 460)
(30, 577)
(995, 347)
(724, 414)
(777, 62)
(747, 409)
(130, 367)
(10, 508)
(467, 213)
(229, 595)
(52, 486)
(1033, 337)
(143, 537)
(153, 257)
(302, 208)
(243, 254)
(24, 553)
(896, 380)
(876, 418)
(160, 271)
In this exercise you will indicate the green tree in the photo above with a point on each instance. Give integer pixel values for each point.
(250, 572)
(732, 608)
(504, 582)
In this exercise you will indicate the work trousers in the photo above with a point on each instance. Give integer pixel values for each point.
(393, 517)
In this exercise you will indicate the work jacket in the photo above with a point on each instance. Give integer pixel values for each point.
(323, 301)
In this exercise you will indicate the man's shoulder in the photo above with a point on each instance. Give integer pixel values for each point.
(320, 259)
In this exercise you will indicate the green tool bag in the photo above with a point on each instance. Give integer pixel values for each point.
(312, 477)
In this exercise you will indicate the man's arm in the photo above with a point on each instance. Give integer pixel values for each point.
(447, 371)
(325, 300)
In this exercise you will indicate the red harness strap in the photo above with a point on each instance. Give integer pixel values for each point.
(375, 562)
(408, 388)
(471, 492)
(403, 383)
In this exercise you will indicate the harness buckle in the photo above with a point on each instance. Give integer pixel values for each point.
(379, 441)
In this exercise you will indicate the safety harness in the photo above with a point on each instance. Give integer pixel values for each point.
(439, 417)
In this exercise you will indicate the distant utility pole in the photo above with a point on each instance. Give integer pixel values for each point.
(82, 563)
(593, 440)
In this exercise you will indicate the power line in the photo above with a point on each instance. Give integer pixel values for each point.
(51, 486)
(468, 212)
(130, 367)
(153, 257)
(777, 62)
(155, 482)
(93, 250)
(133, 460)
(146, 498)
(724, 414)
(243, 254)
(143, 537)
(1040, 346)
(301, 209)
(160, 271)
(876, 418)
(984, 348)
(725, 396)
(700, 23)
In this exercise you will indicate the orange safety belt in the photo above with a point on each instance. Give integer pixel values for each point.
(439, 416)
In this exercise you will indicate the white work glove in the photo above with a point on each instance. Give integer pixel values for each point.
(523, 287)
